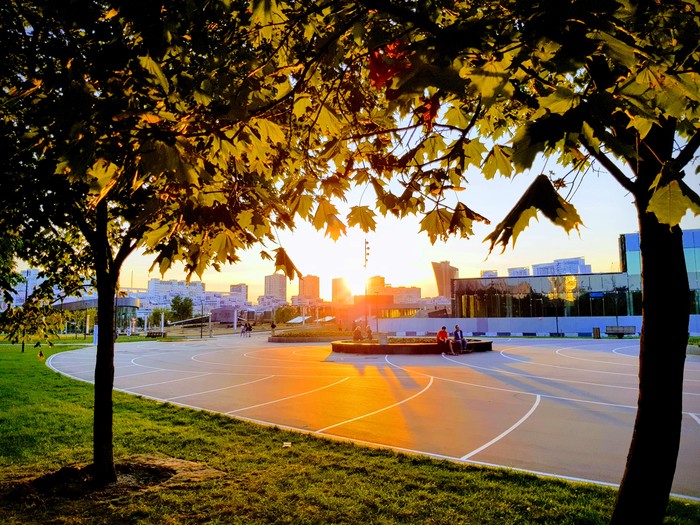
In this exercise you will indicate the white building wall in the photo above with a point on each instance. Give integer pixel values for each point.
(516, 326)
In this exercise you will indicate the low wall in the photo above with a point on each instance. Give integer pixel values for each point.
(511, 326)
(283, 339)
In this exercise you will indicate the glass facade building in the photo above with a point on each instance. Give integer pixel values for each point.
(587, 295)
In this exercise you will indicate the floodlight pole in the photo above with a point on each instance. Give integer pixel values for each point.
(366, 304)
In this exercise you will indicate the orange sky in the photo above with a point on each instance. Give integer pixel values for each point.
(402, 255)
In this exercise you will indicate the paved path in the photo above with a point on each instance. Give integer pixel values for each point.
(561, 407)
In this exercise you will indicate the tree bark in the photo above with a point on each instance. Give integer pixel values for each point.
(104, 471)
(651, 461)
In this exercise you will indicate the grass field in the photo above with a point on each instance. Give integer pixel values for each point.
(179, 466)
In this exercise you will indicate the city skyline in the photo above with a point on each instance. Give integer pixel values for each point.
(403, 255)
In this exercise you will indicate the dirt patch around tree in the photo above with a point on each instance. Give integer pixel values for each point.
(134, 474)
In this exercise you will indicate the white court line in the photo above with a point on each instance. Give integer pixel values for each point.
(559, 352)
(514, 391)
(322, 430)
(152, 370)
(504, 433)
(695, 417)
(288, 397)
(617, 351)
(218, 389)
(171, 381)
(543, 378)
(49, 363)
(304, 363)
(537, 363)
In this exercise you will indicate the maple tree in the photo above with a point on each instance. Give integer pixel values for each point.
(413, 98)
(126, 126)
(196, 131)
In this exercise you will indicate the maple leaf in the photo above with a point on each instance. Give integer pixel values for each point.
(324, 211)
(428, 111)
(436, 224)
(671, 202)
(540, 196)
(334, 227)
(363, 217)
(462, 220)
(284, 263)
(387, 62)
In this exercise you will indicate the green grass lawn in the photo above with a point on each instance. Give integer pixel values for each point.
(242, 473)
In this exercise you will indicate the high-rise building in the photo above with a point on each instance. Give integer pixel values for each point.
(444, 273)
(276, 286)
(341, 293)
(310, 288)
(376, 285)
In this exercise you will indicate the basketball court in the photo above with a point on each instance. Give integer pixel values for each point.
(557, 407)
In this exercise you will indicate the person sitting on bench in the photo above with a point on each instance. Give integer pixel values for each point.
(443, 341)
(459, 343)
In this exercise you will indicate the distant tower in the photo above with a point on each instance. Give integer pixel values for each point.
(376, 285)
(310, 287)
(341, 293)
(444, 273)
(276, 286)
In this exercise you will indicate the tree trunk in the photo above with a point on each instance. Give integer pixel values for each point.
(651, 461)
(103, 457)
(103, 448)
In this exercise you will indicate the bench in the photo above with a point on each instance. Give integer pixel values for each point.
(155, 334)
(620, 331)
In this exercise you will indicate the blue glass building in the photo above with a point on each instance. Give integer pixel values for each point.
(610, 298)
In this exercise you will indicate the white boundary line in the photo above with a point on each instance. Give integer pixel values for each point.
(219, 389)
(168, 381)
(430, 383)
(504, 433)
(286, 398)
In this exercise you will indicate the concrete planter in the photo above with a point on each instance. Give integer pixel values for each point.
(358, 347)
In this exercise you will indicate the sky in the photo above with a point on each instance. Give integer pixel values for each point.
(403, 255)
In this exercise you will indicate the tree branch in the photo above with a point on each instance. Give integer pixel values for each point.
(608, 164)
(688, 152)
(417, 19)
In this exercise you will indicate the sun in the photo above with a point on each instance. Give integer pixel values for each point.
(356, 282)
